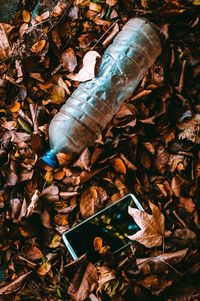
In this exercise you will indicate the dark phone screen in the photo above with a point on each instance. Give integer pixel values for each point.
(112, 225)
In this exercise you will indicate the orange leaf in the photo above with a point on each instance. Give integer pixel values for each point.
(44, 268)
(119, 166)
(26, 16)
(59, 175)
(16, 107)
(37, 47)
(98, 243)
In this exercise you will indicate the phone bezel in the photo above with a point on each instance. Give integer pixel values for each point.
(67, 243)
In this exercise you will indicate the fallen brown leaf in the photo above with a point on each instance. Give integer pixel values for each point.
(152, 226)
(14, 285)
(83, 282)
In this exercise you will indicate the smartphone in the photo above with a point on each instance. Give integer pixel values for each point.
(112, 224)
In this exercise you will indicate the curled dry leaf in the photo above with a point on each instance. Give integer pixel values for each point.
(119, 166)
(68, 59)
(161, 262)
(83, 282)
(92, 200)
(152, 226)
(84, 160)
(46, 219)
(44, 268)
(14, 285)
(87, 72)
(111, 2)
(26, 16)
(33, 204)
(37, 47)
(55, 241)
(32, 253)
(98, 243)
(51, 193)
(5, 49)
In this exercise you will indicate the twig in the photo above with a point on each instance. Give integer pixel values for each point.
(179, 219)
(103, 35)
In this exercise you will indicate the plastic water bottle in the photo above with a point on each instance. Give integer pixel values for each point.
(93, 104)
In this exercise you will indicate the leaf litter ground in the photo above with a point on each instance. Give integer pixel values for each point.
(150, 148)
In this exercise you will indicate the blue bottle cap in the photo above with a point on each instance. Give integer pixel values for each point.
(50, 159)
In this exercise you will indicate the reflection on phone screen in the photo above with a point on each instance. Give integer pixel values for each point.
(112, 225)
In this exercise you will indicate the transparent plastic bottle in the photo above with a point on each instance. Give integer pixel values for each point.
(92, 105)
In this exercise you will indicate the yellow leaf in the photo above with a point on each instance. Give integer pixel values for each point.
(26, 16)
(59, 175)
(57, 94)
(95, 7)
(48, 176)
(82, 3)
(37, 47)
(55, 241)
(196, 2)
(119, 166)
(16, 107)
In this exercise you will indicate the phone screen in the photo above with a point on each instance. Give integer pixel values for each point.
(112, 224)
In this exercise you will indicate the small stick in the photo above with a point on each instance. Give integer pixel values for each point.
(179, 219)
(104, 34)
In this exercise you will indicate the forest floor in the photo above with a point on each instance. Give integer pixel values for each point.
(150, 148)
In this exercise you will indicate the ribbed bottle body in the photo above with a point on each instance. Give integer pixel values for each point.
(92, 105)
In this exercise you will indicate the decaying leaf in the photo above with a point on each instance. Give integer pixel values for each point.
(152, 226)
(34, 202)
(87, 72)
(55, 241)
(37, 47)
(32, 253)
(68, 59)
(161, 262)
(5, 49)
(92, 200)
(14, 285)
(83, 282)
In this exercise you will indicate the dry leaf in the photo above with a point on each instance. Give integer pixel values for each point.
(68, 59)
(59, 9)
(5, 49)
(87, 72)
(14, 285)
(55, 241)
(111, 2)
(119, 166)
(95, 7)
(57, 94)
(83, 282)
(92, 199)
(37, 47)
(161, 262)
(32, 253)
(152, 226)
(33, 204)
(26, 16)
(84, 160)
(44, 268)
(98, 243)
(46, 219)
